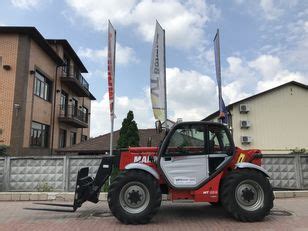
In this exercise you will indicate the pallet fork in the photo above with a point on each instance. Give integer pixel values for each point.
(88, 188)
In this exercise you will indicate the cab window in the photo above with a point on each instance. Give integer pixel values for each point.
(218, 140)
(187, 140)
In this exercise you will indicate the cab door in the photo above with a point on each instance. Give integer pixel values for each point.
(184, 161)
(193, 152)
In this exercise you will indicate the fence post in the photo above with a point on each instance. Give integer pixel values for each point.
(66, 173)
(6, 174)
(298, 169)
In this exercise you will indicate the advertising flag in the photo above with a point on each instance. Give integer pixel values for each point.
(111, 76)
(158, 75)
(223, 113)
(111, 65)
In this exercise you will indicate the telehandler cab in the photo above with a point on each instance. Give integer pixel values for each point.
(196, 161)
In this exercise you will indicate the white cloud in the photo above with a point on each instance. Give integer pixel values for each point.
(181, 19)
(298, 46)
(98, 12)
(28, 4)
(100, 119)
(267, 65)
(270, 9)
(124, 54)
(272, 72)
(250, 77)
(191, 96)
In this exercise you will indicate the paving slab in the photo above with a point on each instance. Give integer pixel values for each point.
(288, 214)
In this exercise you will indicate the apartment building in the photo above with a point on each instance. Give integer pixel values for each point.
(45, 102)
(273, 121)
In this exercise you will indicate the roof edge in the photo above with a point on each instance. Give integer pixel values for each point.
(36, 36)
(230, 106)
(71, 52)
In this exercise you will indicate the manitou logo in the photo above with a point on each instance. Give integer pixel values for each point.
(144, 159)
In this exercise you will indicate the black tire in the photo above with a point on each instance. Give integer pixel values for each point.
(216, 204)
(126, 187)
(247, 195)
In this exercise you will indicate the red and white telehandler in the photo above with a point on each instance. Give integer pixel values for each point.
(196, 161)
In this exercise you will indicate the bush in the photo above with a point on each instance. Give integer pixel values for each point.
(44, 187)
(299, 150)
(3, 150)
(115, 172)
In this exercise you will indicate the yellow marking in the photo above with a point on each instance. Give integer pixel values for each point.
(241, 158)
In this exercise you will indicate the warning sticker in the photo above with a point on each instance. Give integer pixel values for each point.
(184, 181)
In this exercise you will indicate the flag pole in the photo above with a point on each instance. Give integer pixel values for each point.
(113, 79)
(165, 81)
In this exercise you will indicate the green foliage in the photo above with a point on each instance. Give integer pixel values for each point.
(3, 150)
(44, 187)
(129, 136)
(115, 172)
(299, 150)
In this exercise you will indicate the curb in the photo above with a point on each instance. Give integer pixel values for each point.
(69, 196)
(41, 196)
(290, 194)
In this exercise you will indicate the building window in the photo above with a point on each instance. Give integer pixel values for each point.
(84, 138)
(62, 138)
(73, 138)
(42, 86)
(74, 107)
(85, 112)
(66, 67)
(63, 103)
(39, 135)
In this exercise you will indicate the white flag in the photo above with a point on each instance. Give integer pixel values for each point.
(158, 75)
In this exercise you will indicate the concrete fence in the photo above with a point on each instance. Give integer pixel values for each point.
(32, 173)
(287, 171)
(60, 172)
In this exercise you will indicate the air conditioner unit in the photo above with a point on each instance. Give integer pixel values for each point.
(246, 139)
(245, 124)
(244, 108)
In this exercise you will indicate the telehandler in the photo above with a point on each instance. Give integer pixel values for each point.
(196, 161)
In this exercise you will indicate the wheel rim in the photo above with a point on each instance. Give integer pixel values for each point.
(249, 195)
(134, 197)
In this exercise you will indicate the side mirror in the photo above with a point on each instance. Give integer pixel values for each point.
(158, 126)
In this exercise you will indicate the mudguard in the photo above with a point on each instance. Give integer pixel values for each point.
(143, 167)
(251, 166)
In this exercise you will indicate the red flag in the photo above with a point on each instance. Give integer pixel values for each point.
(111, 65)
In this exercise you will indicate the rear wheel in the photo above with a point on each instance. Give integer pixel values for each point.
(247, 195)
(134, 197)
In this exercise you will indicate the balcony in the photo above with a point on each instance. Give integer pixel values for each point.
(73, 116)
(77, 83)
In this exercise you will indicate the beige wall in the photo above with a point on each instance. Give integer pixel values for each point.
(8, 51)
(81, 101)
(38, 109)
(278, 120)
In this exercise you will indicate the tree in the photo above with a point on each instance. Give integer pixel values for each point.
(129, 136)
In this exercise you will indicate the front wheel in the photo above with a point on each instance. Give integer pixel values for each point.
(134, 197)
(247, 195)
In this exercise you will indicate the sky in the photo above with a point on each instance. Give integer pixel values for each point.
(264, 43)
